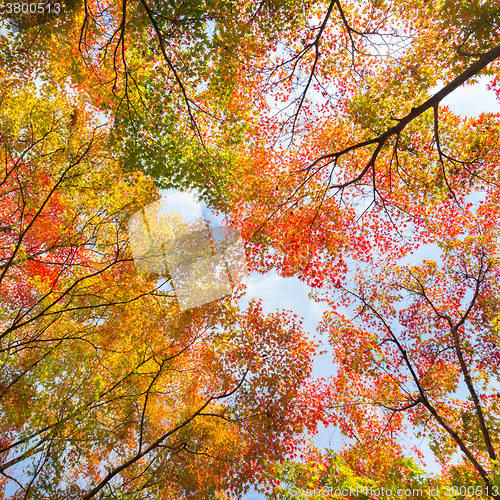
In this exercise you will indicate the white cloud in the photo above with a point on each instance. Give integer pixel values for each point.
(471, 100)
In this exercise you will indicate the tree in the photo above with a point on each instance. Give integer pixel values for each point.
(106, 387)
(171, 78)
(343, 475)
(360, 166)
(362, 182)
(426, 349)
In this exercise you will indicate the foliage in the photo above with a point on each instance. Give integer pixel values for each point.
(319, 129)
(106, 387)
(333, 475)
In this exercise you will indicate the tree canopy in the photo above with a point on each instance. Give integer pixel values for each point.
(318, 129)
